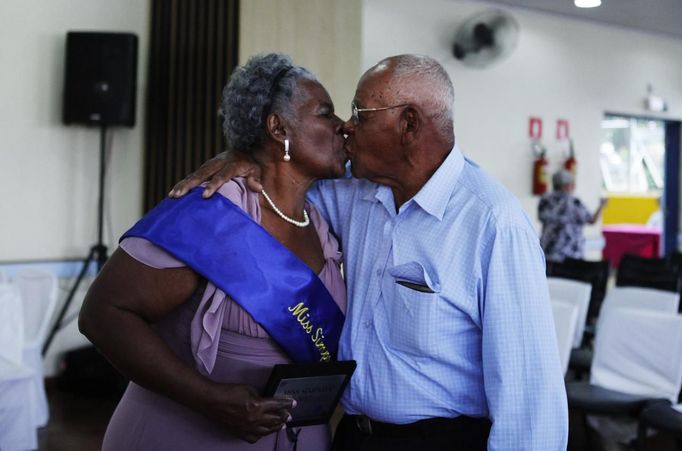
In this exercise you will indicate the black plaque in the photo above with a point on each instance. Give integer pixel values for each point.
(316, 387)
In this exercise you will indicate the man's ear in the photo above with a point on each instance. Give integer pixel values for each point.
(275, 127)
(410, 125)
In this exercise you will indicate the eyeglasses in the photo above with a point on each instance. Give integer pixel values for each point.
(354, 110)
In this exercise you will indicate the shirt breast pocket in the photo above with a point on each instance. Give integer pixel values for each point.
(411, 316)
(411, 307)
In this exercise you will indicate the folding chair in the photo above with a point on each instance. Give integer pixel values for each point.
(12, 326)
(565, 324)
(38, 290)
(596, 273)
(17, 392)
(627, 297)
(576, 293)
(649, 299)
(637, 360)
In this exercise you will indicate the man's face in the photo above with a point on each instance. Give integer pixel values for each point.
(373, 143)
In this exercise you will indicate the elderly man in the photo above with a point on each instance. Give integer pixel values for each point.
(449, 318)
(563, 217)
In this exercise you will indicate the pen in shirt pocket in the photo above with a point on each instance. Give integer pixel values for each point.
(415, 286)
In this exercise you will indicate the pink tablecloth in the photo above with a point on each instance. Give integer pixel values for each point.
(635, 239)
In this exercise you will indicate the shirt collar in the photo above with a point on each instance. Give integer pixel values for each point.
(434, 196)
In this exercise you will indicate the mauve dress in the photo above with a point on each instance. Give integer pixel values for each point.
(214, 334)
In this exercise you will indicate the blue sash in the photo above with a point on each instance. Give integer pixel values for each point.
(220, 241)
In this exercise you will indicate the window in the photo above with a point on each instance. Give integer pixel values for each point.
(632, 155)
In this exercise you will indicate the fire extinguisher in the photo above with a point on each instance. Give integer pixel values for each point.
(539, 169)
(571, 164)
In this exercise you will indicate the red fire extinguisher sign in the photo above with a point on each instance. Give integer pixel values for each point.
(535, 128)
(562, 131)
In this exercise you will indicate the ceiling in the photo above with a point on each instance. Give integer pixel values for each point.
(653, 16)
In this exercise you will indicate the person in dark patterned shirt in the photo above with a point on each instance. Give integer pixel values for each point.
(563, 216)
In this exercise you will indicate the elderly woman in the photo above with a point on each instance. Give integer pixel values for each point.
(195, 305)
(563, 217)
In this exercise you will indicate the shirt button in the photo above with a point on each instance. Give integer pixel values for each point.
(378, 272)
(367, 324)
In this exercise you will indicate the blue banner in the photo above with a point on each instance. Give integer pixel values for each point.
(220, 241)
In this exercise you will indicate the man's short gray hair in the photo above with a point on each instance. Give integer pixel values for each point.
(561, 179)
(265, 84)
(432, 76)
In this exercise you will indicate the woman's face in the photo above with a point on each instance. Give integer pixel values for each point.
(316, 135)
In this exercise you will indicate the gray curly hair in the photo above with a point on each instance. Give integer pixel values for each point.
(561, 179)
(265, 84)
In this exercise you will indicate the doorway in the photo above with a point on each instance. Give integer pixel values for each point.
(639, 161)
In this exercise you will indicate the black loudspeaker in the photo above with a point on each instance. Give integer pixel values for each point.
(100, 78)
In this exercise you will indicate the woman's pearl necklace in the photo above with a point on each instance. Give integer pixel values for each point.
(304, 223)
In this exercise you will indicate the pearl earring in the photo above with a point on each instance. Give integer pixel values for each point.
(286, 150)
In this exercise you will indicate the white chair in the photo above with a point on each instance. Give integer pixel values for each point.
(576, 293)
(637, 359)
(648, 299)
(11, 324)
(639, 352)
(38, 291)
(17, 417)
(17, 390)
(565, 324)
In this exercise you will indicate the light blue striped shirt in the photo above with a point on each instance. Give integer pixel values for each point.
(483, 343)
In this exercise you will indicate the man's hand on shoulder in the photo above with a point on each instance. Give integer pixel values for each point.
(217, 171)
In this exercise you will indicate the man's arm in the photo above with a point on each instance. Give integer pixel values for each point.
(217, 171)
(327, 195)
(123, 302)
(523, 382)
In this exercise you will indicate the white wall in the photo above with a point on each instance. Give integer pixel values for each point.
(322, 35)
(48, 187)
(562, 68)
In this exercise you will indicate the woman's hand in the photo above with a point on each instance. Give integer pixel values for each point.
(217, 171)
(130, 296)
(244, 413)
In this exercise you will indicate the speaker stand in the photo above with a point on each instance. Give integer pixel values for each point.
(98, 251)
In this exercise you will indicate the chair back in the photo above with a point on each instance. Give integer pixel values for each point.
(638, 298)
(11, 324)
(565, 325)
(659, 273)
(576, 293)
(639, 352)
(38, 289)
(596, 273)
